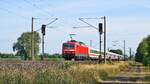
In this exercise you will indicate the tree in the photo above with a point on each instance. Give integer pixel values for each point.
(23, 45)
(117, 51)
(143, 52)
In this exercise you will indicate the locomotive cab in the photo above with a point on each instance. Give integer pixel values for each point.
(68, 50)
(74, 50)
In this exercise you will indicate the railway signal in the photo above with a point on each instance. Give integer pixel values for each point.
(100, 26)
(43, 29)
(43, 34)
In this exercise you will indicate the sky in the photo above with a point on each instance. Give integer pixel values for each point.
(125, 20)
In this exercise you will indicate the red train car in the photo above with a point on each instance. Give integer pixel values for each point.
(74, 50)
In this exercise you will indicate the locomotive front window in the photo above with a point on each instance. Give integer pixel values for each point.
(68, 46)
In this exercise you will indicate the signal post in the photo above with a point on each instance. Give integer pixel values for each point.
(100, 33)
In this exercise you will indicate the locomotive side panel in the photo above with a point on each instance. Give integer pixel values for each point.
(81, 52)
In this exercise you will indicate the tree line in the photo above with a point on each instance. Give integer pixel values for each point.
(143, 51)
(117, 51)
(7, 55)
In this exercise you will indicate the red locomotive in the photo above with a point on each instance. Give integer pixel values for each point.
(74, 50)
(78, 50)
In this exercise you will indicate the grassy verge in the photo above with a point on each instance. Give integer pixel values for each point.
(144, 72)
(61, 73)
(53, 59)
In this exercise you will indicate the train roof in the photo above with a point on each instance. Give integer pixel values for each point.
(114, 53)
(76, 42)
(93, 49)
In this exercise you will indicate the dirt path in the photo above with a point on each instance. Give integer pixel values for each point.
(132, 75)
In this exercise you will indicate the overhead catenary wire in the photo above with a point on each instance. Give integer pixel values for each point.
(8, 11)
(39, 8)
(96, 45)
(81, 19)
(51, 21)
(49, 27)
(19, 6)
(117, 44)
(6, 2)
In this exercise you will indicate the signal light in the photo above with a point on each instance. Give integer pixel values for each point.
(43, 29)
(100, 28)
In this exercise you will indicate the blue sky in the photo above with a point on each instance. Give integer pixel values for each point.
(126, 20)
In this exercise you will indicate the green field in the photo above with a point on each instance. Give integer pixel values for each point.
(38, 59)
(10, 59)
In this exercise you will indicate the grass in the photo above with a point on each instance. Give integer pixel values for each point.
(131, 72)
(54, 59)
(11, 59)
(57, 73)
(146, 73)
(37, 59)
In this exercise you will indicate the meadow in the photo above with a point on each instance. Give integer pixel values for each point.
(46, 72)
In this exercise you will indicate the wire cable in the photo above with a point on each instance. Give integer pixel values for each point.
(34, 5)
(8, 11)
